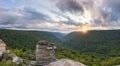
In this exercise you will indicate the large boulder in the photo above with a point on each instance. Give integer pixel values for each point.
(16, 59)
(2, 49)
(65, 62)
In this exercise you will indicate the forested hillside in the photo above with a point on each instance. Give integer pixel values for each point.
(26, 39)
(103, 42)
(96, 48)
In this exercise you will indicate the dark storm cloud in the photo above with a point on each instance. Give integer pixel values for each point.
(33, 14)
(6, 17)
(8, 20)
(113, 4)
(26, 16)
(70, 6)
(112, 10)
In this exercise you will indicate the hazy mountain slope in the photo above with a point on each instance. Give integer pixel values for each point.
(59, 35)
(26, 39)
(103, 42)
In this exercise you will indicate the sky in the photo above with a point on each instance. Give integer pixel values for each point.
(59, 15)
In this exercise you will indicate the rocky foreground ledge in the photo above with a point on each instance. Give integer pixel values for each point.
(45, 56)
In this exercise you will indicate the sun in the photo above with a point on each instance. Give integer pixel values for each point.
(84, 29)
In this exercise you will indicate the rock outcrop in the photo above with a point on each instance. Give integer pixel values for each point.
(16, 59)
(2, 49)
(65, 62)
(45, 56)
(45, 53)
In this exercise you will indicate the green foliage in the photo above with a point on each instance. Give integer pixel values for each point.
(7, 61)
(112, 61)
(23, 53)
(7, 64)
(77, 56)
(26, 39)
(98, 42)
(87, 59)
(64, 53)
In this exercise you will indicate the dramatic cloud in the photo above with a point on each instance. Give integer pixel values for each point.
(7, 17)
(109, 14)
(33, 14)
(111, 10)
(19, 17)
(59, 15)
(70, 6)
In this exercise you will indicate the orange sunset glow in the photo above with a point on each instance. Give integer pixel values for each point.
(84, 29)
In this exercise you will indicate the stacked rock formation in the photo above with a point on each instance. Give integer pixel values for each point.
(45, 53)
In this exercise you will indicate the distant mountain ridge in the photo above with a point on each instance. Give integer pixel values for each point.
(59, 35)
